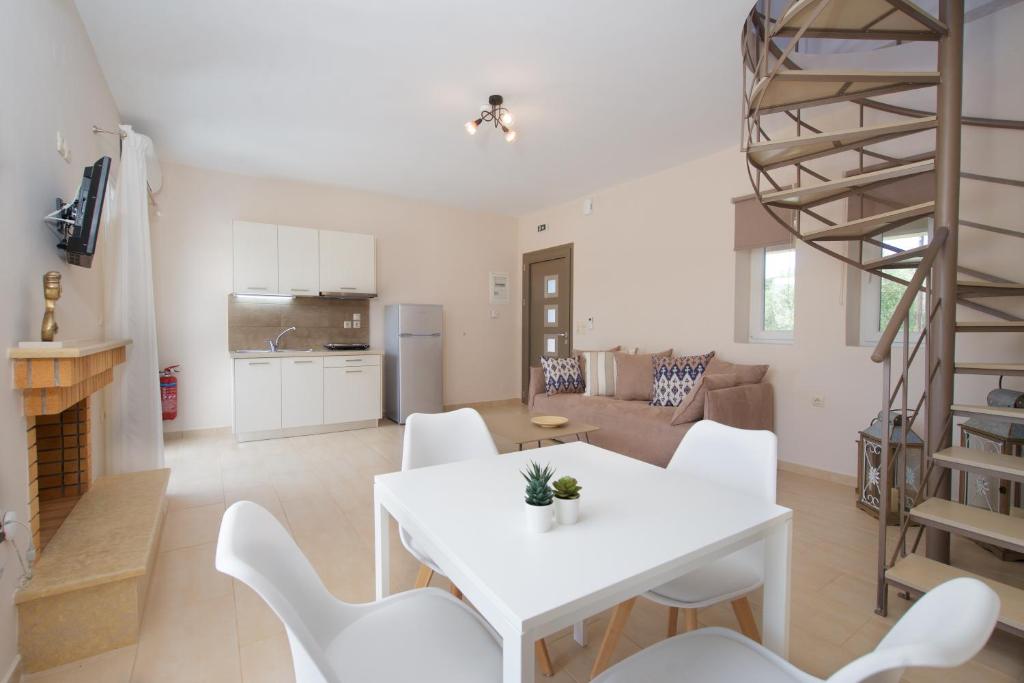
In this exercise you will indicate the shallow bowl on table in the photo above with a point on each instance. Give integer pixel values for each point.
(549, 421)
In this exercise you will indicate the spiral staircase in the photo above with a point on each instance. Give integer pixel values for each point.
(845, 192)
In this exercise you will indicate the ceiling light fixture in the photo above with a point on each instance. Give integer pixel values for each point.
(494, 112)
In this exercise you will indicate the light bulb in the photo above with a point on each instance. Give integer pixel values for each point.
(506, 118)
(471, 127)
(510, 136)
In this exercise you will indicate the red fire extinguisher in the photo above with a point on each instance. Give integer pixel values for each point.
(169, 392)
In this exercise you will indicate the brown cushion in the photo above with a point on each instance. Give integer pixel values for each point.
(745, 374)
(634, 375)
(692, 407)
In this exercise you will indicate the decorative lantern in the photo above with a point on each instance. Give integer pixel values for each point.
(994, 435)
(869, 466)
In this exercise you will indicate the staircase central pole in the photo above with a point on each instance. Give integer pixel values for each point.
(942, 347)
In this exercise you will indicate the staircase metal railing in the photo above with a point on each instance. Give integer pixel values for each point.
(898, 332)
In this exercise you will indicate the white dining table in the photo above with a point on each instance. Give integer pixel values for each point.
(639, 526)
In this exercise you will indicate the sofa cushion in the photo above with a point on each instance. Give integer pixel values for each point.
(676, 377)
(745, 374)
(562, 376)
(634, 375)
(598, 368)
(692, 407)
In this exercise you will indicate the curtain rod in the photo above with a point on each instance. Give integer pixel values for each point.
(118, 133)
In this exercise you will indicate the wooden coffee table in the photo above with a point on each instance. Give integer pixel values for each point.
(518, 429)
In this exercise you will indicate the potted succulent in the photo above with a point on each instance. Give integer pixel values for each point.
(567, 500)
(538, 497)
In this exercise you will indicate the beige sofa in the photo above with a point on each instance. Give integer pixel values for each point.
(646, 432)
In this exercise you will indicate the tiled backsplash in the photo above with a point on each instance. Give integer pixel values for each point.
(252, 321)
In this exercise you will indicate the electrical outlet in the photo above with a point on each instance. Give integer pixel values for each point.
(818, 401)
(494, 314)
(357, 324)
(348, 324)
(357, 316)
(590, 323)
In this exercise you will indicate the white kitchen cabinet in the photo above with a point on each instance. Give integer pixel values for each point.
(255, 258)
(298, 261)
(257, 394)
(302, 392)
(351, 393)
(347, 263)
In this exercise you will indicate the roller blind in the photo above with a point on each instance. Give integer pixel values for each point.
(755, 227)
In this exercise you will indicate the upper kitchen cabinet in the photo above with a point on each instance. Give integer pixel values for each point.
(255, 258)
(298, 261)
(347, 263)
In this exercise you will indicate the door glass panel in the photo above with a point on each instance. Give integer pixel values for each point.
(550, 286)
(551, 316)
(550, 345)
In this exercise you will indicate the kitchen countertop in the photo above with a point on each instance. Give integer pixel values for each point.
(292, 353)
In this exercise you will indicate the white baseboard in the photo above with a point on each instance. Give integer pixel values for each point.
(14, 673)
(814, 472)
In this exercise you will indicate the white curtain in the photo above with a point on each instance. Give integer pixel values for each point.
(134, 438)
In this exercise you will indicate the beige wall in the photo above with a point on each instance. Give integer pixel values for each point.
(654, 266)
(425, 254)
(51, 81)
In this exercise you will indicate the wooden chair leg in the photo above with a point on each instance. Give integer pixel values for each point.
(689, 620)
(455, 590)
(673, 621)
(424, 576)
(611, 636)
(745, 615)
(544, 658)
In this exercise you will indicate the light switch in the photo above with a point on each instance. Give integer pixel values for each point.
(357, 324)
(494, 314)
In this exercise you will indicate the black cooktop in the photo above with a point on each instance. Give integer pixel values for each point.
(346, 347)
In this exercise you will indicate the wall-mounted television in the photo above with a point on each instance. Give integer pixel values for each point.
(79, 222)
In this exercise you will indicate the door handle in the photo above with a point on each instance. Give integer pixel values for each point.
(353, 360)
(296, 289)
(259, 362)
(259, 289)
(354, 371)
(302, 361)
(352, 288)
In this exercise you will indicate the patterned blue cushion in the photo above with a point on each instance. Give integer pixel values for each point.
(674, 378)
(562, 376)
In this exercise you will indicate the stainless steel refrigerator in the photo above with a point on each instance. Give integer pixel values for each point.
(412, 360)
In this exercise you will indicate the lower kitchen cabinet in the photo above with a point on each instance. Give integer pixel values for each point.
(257, 394)
(294, 395)
(302, 392)
(352, 393)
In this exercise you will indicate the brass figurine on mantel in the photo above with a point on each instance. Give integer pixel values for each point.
(51, 292)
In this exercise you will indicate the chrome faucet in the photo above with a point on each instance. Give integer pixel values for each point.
(277, 340)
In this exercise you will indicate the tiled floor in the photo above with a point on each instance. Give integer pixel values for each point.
(200, 625)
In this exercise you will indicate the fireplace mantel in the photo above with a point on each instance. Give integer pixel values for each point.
(52, 378)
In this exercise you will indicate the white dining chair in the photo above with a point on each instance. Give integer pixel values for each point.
(744, 460)
(439, 439)
(420, 635)
(944, 629)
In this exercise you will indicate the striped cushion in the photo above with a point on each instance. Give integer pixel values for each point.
(598, 372)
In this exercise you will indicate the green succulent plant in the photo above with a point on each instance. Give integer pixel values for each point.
(538, 492)
(567, 488)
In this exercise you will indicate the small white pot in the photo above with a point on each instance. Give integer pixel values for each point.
(538, 518)
(567, 510)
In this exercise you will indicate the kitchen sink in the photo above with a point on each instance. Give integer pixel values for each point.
(269, 351)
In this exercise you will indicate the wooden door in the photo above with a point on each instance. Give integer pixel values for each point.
(547, 307)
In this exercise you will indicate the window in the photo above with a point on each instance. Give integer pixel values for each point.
(550, 286)
(551, 316)
(879, 296)
(772, 301)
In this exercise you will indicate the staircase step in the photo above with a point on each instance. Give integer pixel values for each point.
(812, 195)
(975, 523)
(975, 460)
(776, 153)
(919, 574)
(1012, 414)
(990, 368)
(870, 226)
(976, 289)
(992, 326)
(904, 259)
(795, 88)
(864, 19)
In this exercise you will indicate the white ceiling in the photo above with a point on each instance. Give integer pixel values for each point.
(373, 94)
